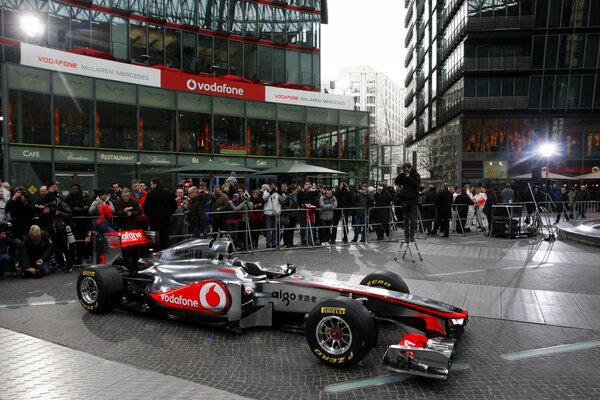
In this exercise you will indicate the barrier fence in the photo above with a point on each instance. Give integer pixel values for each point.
(244, 232)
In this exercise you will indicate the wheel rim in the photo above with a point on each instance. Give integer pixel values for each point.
(89, 290)
(334, 335)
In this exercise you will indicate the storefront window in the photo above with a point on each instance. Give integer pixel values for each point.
(116, 125)
(30, 173)
(323, 141)
(472, 142)
(592, 144)
(495, 143)
(229, 135)
(73, 121)
(261, 137)
(29, 117)
(157, 129)
(194, 132)
(292, 139)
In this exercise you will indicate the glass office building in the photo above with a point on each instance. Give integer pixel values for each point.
(489, 81)
(110, 90)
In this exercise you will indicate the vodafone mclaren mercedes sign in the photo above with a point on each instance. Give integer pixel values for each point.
(63, 61)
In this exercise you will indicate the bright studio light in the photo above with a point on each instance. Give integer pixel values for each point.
(32, 26)
(547, 149)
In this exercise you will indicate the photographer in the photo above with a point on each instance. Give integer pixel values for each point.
(20, 211)
(8, 246)
(345, 204)
(409, 180)
(35, 254)
(55, 220)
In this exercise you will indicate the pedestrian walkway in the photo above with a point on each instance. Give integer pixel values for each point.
(31, 368)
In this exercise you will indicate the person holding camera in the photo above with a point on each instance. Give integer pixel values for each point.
(272, 210)
(127, 209)
(35, 253)
(410, 181)
(55, 219)
(345, 208)
(20, 211)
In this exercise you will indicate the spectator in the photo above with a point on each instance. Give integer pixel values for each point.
(345, 209)
(289, 215)
(178, 228)
(5, 188)
(8, 245)
(2, 207)
(308, 200)
(508, 195)
(220, 203)
(562, 205)
(40, 200)
(572, 197)
(198, 221)
(256, 217)
(488, 207)
(35, 253)
(80, 208)
(363, 202)
(272, 210)
(20, 211)
(582, 200)
(102, 198)
(232, 219)
(380, 213)
(56, 221)
(443, 206)
(479, 201)
(462, 203)
(410, 180)
(117, 191)
(53, 189)
(127, 210)
(428, 214)
(159, 207)
(327, 206)
(140, 194)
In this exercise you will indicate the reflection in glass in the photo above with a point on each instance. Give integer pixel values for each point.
(261, 137)
(157, 128)
(194, 132)
(28, 117)
(323, 141)
(116, 125)
(292, 139)
(229, 135)
(73, 121)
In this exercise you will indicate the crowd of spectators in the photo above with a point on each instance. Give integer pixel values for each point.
(46, 231)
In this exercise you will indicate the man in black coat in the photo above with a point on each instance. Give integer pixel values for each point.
(462, 203)
(410, 181)
(159, 206)
(345, 202)
(443, 206)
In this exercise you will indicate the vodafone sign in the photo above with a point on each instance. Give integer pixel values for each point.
(211, 86)
(209, 297)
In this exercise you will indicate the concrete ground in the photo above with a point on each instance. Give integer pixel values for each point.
(534, 332)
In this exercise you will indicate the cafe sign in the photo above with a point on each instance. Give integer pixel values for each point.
(18, 153)
(495, 170)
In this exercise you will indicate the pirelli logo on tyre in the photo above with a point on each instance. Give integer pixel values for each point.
(333, 310)
(88, 273)
(333, 360)
(376, 282)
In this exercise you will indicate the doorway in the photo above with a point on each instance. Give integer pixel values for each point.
(85, 179)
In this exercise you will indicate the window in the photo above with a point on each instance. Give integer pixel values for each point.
(194, 132)
(495, 87)
(205, 53)
(507, 87)
(229, 137)
(236, 58)
(520, 86)
(551, 52)
(265, 63)
(292, 61)
(554, 13)
(250, 61)
(117, 125)
(188, 52)
(535, 89)
(482, 88)
(587, 91)
(30, 118)
(100, 32)
(547, 91)
(573, 92)
(560, 92)
(591, 51)
(172, 48)
(120, 40)
(292, 139)
(157, 128)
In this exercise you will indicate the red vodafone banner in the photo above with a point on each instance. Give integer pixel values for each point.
(202, 84)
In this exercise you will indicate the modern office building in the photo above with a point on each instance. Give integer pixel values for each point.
(107, 90)
(377, 94)
(489, 81)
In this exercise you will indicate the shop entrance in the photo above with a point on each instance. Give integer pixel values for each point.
(85, 179)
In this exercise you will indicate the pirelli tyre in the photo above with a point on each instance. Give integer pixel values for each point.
(340, 332)
(99, 288)
(387, 280)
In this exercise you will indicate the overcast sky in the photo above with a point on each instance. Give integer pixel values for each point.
(364, 33)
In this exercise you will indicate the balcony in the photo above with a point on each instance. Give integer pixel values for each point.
(449, 111)
(409, 35)
(409, 56)
(409, 119)
(408, 99)
(449, 11)
(420, 81)
(420, 56)
(408, 17)
(420, 105)
(498, 64)
(409, 77)
(454, 40)
(523, 22)
(421, 6)
(421, 32)
(451, 76)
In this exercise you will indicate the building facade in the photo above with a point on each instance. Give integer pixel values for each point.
(383, 99)
(489, 81)
(111, 90)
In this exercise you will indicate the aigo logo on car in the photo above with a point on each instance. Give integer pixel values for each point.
(209, 297)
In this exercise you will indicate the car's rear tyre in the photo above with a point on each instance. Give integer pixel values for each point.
(99, 288)
(387, 280)
(340, 331)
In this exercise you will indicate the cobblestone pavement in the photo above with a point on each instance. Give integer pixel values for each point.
(269, 364)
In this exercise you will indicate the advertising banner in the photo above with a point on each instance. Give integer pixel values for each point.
(307, 98)
(62, 61)
(203, 84)
(495, 170)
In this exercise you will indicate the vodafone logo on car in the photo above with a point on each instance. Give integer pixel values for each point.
(210, 297)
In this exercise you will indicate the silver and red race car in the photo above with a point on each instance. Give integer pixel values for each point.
(197, 280)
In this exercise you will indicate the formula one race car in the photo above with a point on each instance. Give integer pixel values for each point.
(197, 281)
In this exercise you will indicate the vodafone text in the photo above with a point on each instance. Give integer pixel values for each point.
(56, 61)
(214, 87)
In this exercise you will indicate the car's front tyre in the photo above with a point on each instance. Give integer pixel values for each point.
(340, 331)
(99, 288)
